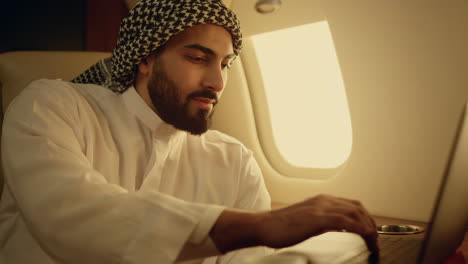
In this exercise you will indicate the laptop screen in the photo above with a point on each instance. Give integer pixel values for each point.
(450, 214)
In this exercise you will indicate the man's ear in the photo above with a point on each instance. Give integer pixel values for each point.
(146, 65)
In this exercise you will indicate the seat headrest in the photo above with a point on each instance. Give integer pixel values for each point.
(19, 68)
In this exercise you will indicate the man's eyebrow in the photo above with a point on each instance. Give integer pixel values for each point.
(207, 50)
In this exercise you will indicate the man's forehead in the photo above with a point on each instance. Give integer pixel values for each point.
(210, 36)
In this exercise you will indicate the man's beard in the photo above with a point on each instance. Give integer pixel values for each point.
(173, 109)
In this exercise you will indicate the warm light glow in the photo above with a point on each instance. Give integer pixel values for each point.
(306, 95)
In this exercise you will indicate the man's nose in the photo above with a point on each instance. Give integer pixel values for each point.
(215, 79)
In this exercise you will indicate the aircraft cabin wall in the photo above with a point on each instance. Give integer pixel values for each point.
(404, 66)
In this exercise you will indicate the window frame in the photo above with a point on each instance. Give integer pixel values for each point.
(264, 126)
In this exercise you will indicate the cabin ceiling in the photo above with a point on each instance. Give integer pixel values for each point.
(291, 13)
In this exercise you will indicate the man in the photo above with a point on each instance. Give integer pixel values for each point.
(131, 174)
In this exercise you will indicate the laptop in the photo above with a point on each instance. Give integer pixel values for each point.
(447, 227)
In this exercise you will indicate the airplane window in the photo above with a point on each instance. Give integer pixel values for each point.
(305, 95)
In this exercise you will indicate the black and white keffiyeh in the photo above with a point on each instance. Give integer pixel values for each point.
(149, 25)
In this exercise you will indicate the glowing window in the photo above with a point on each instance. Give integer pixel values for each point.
(305, 95)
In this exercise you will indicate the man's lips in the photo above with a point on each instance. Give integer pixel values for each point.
(204, 103)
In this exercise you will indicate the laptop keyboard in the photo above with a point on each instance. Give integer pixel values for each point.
(399, 249)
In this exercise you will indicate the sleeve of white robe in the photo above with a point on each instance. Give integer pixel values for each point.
(253, 196)
(70, 209)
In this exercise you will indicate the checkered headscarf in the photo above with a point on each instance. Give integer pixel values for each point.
(149, 25)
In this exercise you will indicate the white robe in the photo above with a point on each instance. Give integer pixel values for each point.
(96, 177)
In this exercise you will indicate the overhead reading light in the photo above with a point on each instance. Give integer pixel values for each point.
(267, 6)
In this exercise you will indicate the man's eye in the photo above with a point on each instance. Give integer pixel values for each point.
(197, 59)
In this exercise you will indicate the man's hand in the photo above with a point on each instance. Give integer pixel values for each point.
(293, 224)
